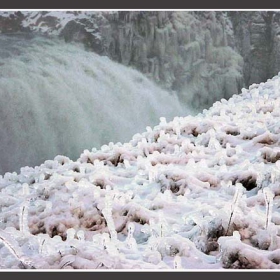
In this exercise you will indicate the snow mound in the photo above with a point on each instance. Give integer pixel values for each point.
(195, 193)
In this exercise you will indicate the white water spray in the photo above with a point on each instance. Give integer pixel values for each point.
(57, 98)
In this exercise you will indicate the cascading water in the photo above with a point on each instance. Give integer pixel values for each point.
(57, 98)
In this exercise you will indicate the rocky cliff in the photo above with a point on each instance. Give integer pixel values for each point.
(203, 56)
(257, 40)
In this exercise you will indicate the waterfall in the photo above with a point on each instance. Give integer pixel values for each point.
(57, 98)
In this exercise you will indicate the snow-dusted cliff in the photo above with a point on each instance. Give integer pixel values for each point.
(257, 40)
(197, 192)
(203, 56)
(191, 53)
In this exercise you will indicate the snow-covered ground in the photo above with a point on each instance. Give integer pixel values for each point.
(199, 192)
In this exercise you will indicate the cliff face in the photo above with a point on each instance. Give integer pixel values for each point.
(191, 53)
(203, 56)
(258, 43)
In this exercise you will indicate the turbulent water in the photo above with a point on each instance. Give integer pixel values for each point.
(57, 98)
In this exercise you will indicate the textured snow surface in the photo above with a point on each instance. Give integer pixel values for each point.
(195, 193)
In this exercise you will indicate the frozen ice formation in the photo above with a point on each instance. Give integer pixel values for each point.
(199, 192)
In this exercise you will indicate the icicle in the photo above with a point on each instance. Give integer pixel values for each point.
(108, 245)
(42, 241)
(131, 229)
(260, 178)
(23, 218)
(153, 226)
(163, 225)
(107, 212)
(130, 240)
(153, 174)
(13, 247)
(236, 198)
(268, 196)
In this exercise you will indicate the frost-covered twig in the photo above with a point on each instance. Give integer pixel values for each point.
(236, 198)
(107, 213)
(23, 217)
(15, 250)
(41, 246)
(131, 242)
(163, 225)
(268, 196)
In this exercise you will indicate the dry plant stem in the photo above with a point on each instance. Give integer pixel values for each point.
(231, 214)
(236, 198)
(14, 252)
